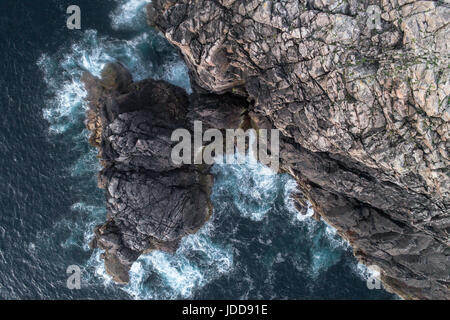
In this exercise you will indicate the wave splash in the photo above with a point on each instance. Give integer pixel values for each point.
(198, 261)
(129, 15)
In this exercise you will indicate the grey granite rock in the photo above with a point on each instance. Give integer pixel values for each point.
(152, 203)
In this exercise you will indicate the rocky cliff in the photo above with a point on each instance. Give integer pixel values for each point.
(360, 92)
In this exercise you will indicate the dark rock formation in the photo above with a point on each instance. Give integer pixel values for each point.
(359, 91)
(152, 203)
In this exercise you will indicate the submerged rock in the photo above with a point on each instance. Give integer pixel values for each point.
(360, 94)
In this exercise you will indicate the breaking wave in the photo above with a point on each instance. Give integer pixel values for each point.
(129, 15)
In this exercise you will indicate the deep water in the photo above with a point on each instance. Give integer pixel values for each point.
(255, 246)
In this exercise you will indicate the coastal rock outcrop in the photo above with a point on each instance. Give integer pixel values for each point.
(152, 203)
(360, 92)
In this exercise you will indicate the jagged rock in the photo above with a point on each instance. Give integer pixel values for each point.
(360, 94)
(152, 203)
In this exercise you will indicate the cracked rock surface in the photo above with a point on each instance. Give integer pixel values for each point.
(360, 92)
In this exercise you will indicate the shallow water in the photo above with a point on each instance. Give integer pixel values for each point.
(255, 245)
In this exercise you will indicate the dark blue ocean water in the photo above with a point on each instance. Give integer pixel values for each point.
(255, 246)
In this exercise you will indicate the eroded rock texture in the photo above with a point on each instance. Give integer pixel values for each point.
(359, 90)
(151, 202)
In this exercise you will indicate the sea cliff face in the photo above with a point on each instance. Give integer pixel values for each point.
(359, 91)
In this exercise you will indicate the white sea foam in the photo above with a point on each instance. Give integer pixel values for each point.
(366, 272)
(290, 188)
(335, 239)
(362, 271)
(129, 14)
(67, 105)
(177, 73)
(254, 185)
(96, 264)
(179, 274)
(327, 245)
(86, 165)
(96, 215)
